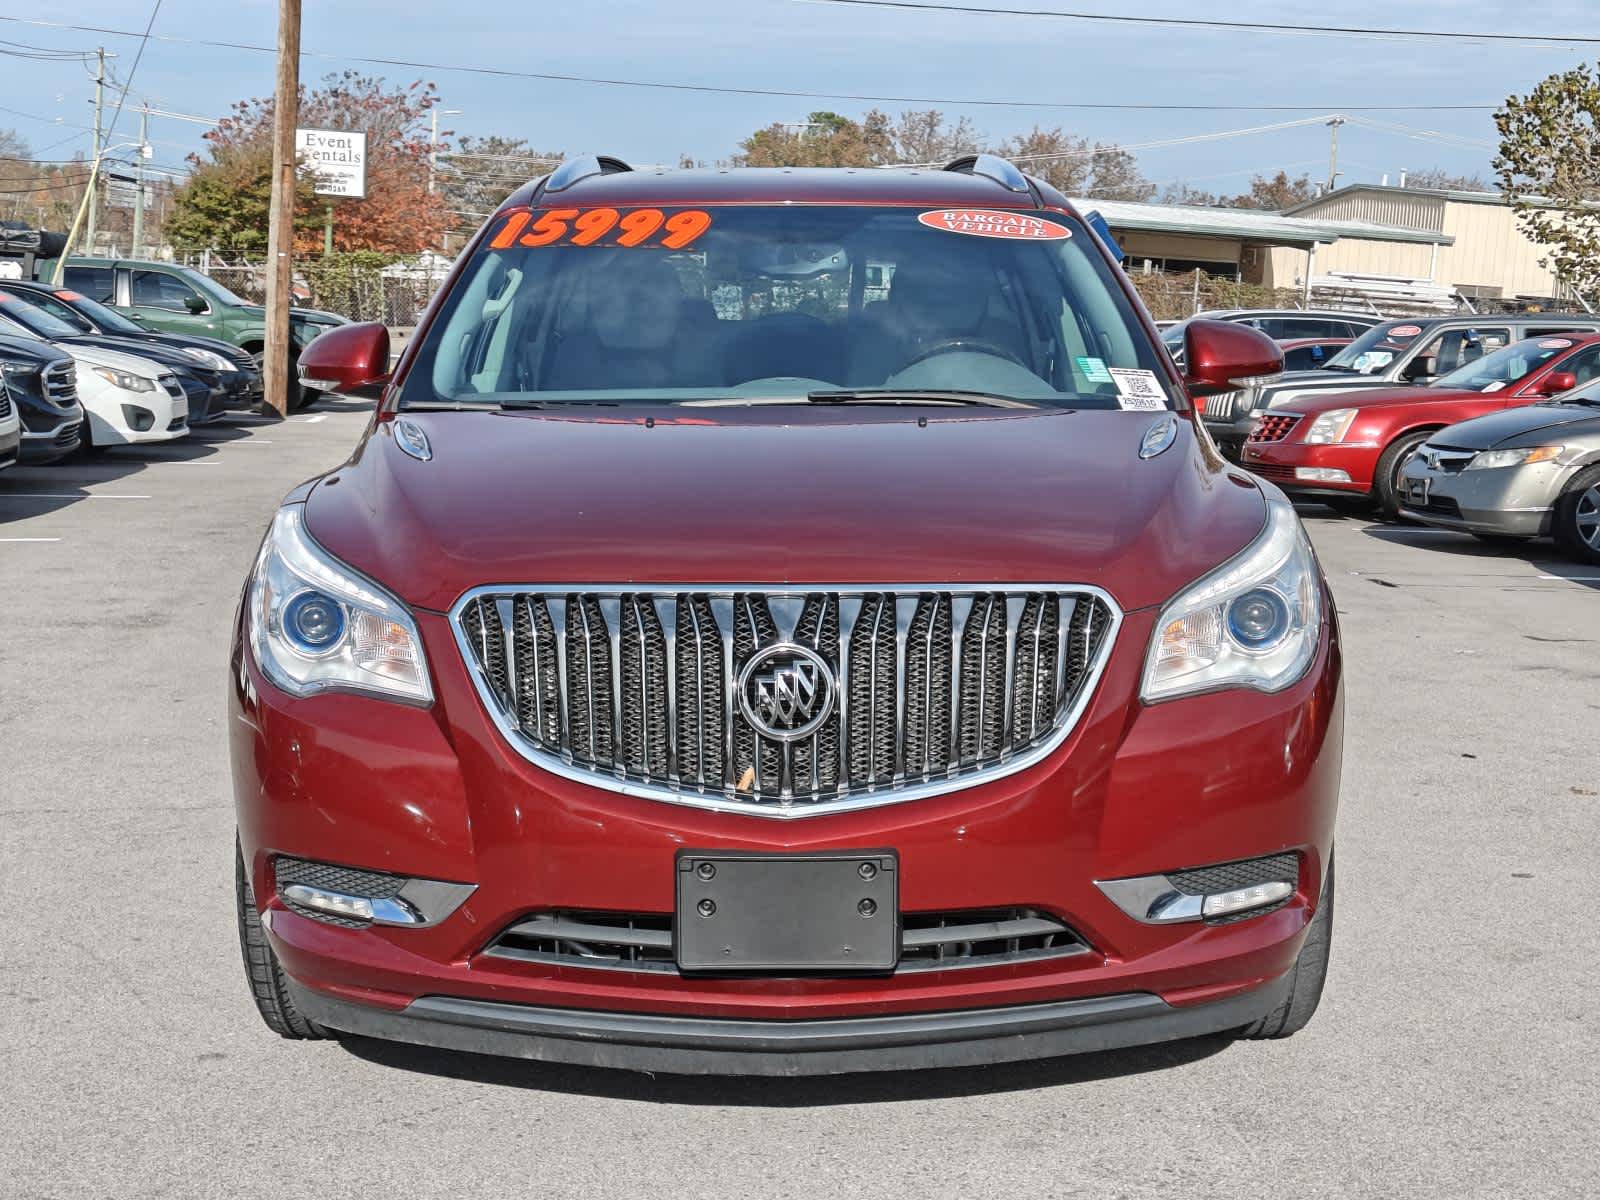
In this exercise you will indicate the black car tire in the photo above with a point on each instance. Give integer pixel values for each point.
(299, 397)
(1306, 977)
(1564, 523)
(261, 966)
(1386, 480)
(86, 442)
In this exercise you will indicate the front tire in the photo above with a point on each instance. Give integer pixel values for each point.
(261, 967)
(1386, 480)
(1576, 520)
(1306, 977)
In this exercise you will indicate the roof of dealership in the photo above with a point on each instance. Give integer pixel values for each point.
(1248, 224)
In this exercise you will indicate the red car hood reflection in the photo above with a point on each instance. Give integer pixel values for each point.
(773, 495)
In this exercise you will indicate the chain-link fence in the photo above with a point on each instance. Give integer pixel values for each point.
(394, 295)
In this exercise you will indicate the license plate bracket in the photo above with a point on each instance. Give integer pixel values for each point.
(753, 911)
(1416, 490)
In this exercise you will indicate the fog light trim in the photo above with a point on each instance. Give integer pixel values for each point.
(1174, 897)
(391, 899)
(1322, 475)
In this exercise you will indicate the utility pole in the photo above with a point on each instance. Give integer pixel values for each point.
(1333, 152)
(433, 141)
(99, 109)
(138, 187)
(280, 229)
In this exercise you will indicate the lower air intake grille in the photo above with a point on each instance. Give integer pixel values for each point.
(935, 941)
(785, 703)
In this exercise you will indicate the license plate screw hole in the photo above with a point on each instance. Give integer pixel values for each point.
(867, 907)
(706, 871)
(706, 908)
(867, 870)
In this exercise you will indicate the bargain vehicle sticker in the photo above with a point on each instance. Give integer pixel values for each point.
(1404, 331)
(1554, 344)
(983, 222)
(608, 227)
(1093, 369)
(1138, 390)
(68, 296)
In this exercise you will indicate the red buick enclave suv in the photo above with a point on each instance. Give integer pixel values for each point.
(786, 622)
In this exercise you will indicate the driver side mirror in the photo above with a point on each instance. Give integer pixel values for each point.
(1555, 383)
(350, 359)
(1421, 367)
(195, 304)
(1218, 354)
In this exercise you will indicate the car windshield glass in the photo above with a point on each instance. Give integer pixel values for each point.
(1494, 371)
(207, 284)
(47, 302)
(107, 320)
(756, 304)
(1374, 349)
(35, 320)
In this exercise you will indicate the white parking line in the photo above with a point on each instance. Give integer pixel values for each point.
(315, 419)
(3, 539)
(1574, 578)
(69, 496)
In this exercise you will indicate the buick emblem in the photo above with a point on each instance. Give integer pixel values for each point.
(786, 691)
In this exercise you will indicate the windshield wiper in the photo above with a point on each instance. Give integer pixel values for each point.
(916, 396)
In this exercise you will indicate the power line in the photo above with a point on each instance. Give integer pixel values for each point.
(1232, 26)
(155, 10)
(781, 93)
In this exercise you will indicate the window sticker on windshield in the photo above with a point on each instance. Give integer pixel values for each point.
(1495, 386)
(68, 296)
(1400, 332)
(608, 227)
(1138, 390)
(1093, 369)
(983, 222)
(1554, 344)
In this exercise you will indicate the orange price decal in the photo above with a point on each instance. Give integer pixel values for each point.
(602, 227)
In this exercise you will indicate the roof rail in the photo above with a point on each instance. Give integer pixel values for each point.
(573, 169)
(991, 166)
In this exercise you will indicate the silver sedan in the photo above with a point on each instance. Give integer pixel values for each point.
(1521, 473)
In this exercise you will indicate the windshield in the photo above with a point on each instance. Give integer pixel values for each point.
(207, 284)
(91, 313)
(1494, 371)
(36, 321)
(778, 304)
(1375, 349)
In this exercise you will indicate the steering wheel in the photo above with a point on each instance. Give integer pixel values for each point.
(962, 345)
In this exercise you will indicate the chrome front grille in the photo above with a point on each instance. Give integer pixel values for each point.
(678, 693)
(61, 384)
(5, 401)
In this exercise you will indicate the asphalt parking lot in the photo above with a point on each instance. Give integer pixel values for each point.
(1454, 1055)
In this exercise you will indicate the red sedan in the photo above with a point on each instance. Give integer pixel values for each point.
(1346, 448)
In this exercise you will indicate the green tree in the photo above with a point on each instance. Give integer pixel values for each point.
(225, 203)
(1549, 168)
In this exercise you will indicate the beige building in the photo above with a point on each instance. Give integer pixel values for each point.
(1484, 253)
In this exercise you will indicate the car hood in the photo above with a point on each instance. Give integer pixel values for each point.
(117, 360)
(310, 316)
(167, 356)
(1377, 398)
(770, 495)
(1521, 426)
(226, 351)
(31, 350)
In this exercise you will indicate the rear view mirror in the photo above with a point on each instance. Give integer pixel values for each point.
(1555, 383)
(350, 359)
(1217, 354)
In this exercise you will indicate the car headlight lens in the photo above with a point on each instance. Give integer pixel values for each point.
(1331, 426)
(1254, 622)
(16, 370)
(124, 380)
(316, 625)
(1514, 458)
(212, 362)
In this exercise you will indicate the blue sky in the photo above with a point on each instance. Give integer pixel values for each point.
(806, 46)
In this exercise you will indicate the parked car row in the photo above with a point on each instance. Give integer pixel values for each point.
(1488, 426)
(80, 375)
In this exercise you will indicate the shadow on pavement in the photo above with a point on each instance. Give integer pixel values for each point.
(805, 1092)
(1463, 547)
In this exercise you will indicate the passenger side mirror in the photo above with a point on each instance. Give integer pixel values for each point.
(1217, 354)
(350, 359)
(1555, 383)
(194, 304)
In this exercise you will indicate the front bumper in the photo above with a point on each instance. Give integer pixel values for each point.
(1289, 464)
(1134, 790)
(1505, 501)
(51, 445)
(10, 445)
(708, 1046)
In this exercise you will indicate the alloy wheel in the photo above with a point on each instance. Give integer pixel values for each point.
(1587, 517)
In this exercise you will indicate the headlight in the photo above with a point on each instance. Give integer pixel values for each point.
(1331, 426)
(213, 362)
(16, 370)
(1254, 622)
(1514, 458)
(125, 381)
(317, 626)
